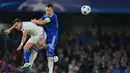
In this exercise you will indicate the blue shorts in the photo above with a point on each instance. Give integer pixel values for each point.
(52, 39)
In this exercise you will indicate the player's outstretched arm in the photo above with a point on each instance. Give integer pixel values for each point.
(9, 30)
(41, 22)
(24, 37)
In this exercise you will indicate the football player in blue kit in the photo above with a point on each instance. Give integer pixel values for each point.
(50, 25)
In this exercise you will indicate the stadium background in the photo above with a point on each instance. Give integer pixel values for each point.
(96, 43)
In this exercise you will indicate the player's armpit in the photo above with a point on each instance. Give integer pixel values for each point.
(25, 32)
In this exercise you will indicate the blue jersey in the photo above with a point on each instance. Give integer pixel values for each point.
(51, 29)
(52, 26)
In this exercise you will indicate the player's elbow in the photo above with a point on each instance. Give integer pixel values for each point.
(42, 22)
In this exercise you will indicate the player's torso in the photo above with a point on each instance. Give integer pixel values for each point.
(51, 27)
(32, 28)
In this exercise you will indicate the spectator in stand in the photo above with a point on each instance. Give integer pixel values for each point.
(118, 69)
(110, 69)
(34, 68)
(41, 68)
(73, 67)
(127, 70)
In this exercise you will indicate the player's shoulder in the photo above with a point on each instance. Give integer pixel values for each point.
(26, 22)
(44, 15)
(54, 15)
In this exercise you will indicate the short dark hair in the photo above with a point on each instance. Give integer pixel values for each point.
(50, 5)
(16, 20)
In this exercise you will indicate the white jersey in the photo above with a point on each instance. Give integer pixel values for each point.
(36, 32)
(33, 29)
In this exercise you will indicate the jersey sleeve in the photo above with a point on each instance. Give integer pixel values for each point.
(46, 18)
(23, 29)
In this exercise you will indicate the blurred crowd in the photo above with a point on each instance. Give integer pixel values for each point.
(87, 53)
(80, 52)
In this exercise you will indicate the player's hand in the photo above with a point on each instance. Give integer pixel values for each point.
(7, 31)
(34, 20)
(19, 48)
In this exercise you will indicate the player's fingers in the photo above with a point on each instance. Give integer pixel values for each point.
(5, 30)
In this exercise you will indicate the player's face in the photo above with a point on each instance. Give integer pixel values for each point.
(18, 25)
(49, 10)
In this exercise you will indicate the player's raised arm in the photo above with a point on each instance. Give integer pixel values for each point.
(46, 18)
(9, 30)
(41, 22)
(24, 37)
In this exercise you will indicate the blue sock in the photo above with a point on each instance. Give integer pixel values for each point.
(50, 51)
(36, 49)
(26, 55)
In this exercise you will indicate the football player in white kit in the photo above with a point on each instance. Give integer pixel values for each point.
(37, 36)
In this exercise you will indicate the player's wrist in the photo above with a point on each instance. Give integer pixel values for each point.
(21, 43)
(37, 21)
(9, 29)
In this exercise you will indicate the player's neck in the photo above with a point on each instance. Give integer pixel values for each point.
(50, 14)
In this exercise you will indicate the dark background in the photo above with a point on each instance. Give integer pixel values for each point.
(99, 6)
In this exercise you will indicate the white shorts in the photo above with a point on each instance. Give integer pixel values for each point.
(35, 39)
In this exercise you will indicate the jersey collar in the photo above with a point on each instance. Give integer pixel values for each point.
(50, 15)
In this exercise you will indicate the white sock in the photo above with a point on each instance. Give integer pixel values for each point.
(32, 56)
(50, 64)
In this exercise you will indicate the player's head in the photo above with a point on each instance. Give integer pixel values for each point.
(49, 9)
(17, 24)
